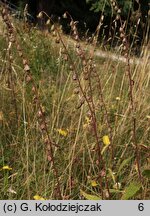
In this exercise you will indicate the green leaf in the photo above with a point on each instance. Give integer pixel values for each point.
(89, 196)
(131, 190)
(124, 163)
(112, 175)
(115, 191)
(146, 173)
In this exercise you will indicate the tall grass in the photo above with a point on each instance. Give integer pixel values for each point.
(72, 125)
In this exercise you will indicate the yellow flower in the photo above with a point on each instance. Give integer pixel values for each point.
(93, 183)
(106, 140)
(118, 98)
(87, 120)
(6, 168)
(37, 197)
(62, 132)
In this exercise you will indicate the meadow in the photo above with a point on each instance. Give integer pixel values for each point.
(73, 125)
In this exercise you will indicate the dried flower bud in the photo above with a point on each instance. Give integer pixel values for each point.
(26, 68)
(74, 77)
(5, 18)
(102, 18)
(71, 67)
(49, 158)
(46, 140)
(119, 11)
(57, 40)
(33, 89)
(124, 40)
(77, 45)
(122, 35)
(117, 17)
(71, 23)
(76, 91)
(40, 114)
(65, 58)
(114, 4)
(121, 30)
(35, 99)
(24, 61)
(76, 38)
(28, 78)
(48, 22)
(65, 15)
(43, 126)
(54, 34)
(20, 54)
(40, 15)
(52, 28)
(116, 8)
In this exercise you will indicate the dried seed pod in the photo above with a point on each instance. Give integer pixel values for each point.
(46, 140)
(65, 57)
(5, 18)
(26, 68)
(119, 11)
(49, 158)
(43, 126)
(76, 38)
(71, 67)
(114, 4)
(121, 30)
(122, 35)
(40, 15)
(74, 77)
(86, 76)
(117, 17)
(28, 78)
(34, 89)
(77, 45)
(76, 91)
(71, 23)
(52, 28)
(116, 8)
(35, 99)
(24, 61)
(20, 54)
(54, 34)
(124, 40)
(48, 22)
(40, 113)
(57, 40)
(65, 15)
(84, 63)
(124, 48)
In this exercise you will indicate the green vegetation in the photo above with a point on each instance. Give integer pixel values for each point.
(72, 125)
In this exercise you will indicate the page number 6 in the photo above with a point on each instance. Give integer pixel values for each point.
(141, 206)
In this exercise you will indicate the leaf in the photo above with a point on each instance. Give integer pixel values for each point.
(146, 173)
(124, 163)
(131, 190)
(89, 196)
(112, 175)
(115, 191)
(104, 149)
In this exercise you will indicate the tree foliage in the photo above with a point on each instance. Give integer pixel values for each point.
(106, 7)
